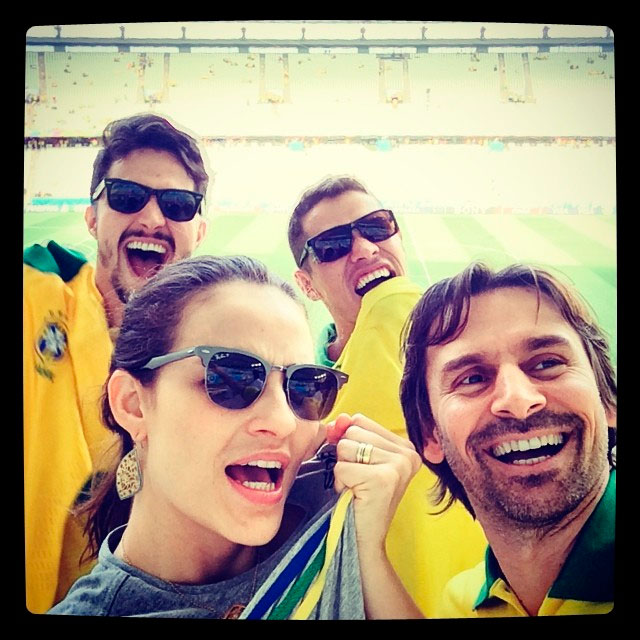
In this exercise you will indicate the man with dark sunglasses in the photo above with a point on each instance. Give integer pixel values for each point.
(349, 253)
(147, 191)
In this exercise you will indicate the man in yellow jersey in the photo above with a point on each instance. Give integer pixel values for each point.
(147, 187)
(509, 393)
(349, 251)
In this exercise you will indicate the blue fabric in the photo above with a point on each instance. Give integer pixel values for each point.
(292, 571)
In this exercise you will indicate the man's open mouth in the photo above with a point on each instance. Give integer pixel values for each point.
(145, 258)
(373, 279)
(529, 451)
(260, 475)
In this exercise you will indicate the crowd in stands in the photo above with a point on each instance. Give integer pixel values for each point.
(323, 94)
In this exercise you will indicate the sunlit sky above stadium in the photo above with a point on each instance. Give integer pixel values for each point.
(318, 29)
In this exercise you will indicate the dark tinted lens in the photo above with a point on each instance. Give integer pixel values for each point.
(234, 380)
(312, 392)
(126, 197)
(377, 227)
(332, 246)
(178, 205)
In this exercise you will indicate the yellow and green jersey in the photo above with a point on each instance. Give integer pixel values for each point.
(425, 550)
(66, 353)
(583, 586)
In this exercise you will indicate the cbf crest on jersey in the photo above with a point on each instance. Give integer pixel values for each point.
(51, 344)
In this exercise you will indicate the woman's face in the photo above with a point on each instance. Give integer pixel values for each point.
(195, 465)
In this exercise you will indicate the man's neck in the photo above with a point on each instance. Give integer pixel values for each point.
(343, 333)
(113, 306)
(532, 559)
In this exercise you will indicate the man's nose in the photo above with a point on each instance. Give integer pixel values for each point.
(151, 216)
(362, 248)
(515, 394)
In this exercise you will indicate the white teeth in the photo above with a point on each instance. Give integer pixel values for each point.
(146, 246)
(525, 445)
(378, 273)
(260, 486)
(531, 460)
(265, 464)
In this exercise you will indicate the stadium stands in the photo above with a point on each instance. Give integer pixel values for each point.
(326, 94)
(314, 97)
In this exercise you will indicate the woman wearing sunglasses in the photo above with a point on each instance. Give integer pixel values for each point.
(208, 510)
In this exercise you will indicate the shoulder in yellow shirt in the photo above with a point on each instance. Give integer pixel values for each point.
(425, 550)
(583, 586)
(66, 352)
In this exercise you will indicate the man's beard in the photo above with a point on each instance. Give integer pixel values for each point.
(507, 497)
(106, 253)
(122, 292)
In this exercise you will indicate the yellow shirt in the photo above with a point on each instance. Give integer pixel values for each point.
(66, 353)
(583, 586)
(425, 550)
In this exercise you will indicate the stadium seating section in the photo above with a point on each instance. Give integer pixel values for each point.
(325, 94)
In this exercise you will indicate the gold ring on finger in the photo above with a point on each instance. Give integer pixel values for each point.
(363, 455)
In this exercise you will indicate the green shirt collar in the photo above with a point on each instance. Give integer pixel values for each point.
(54, 259)
(587, 574)
(327, 336)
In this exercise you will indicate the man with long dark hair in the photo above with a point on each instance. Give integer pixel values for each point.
(510, 396)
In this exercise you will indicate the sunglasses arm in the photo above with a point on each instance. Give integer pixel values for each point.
(160, 361)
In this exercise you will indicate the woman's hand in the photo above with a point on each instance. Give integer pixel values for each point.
(377, 485)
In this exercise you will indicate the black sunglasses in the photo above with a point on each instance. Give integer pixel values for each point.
(337, 242)
(126, 196)
(236, 379)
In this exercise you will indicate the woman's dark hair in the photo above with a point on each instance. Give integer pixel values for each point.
(150, 322)
(441, 316)
(149, 131)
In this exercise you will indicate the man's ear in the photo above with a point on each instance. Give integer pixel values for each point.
(91, 219)
(126, 402)
(202, 229)
(432, 450)
(303, 279)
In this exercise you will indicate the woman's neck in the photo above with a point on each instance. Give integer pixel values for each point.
(183, 552)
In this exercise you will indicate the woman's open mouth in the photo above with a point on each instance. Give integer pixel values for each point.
(258, 475)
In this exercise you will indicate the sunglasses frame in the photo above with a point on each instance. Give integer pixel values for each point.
(309, 248)
(206, 353)
(106, 183)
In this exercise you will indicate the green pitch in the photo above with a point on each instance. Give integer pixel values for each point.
(582, 247)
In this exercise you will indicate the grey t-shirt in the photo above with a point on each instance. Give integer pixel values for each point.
(115, 588)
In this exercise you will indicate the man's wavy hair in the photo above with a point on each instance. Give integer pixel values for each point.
(149, 131)
(440, 317)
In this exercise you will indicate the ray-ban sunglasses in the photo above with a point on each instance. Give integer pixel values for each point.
(126, 196)
(337, 242)
(236, 379)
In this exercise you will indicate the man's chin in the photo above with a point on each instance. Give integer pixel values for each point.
(126, 287)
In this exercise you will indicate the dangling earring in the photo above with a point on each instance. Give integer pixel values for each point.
(128, 475)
